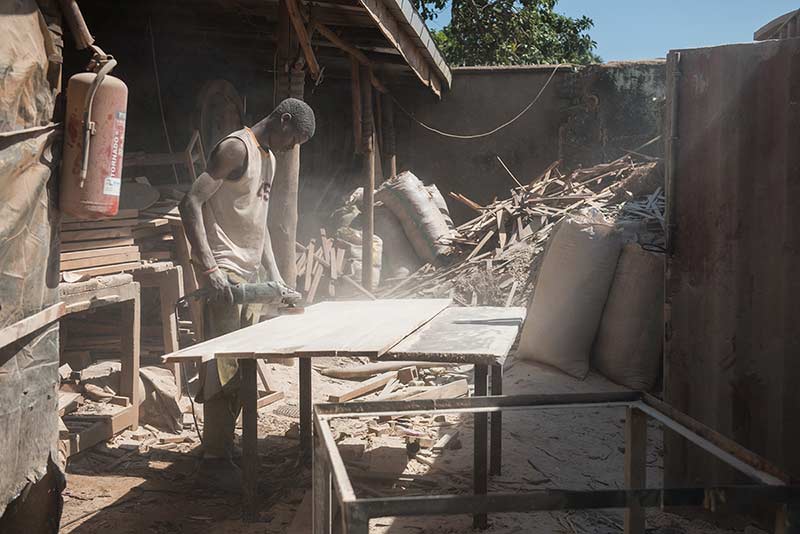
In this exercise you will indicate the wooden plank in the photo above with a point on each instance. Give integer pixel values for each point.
(462, 335)
(458, 388)
(91, 253)
(309, 266)
(31, 323)
(85, 235)
(96, 244)
(108, 269)
(269, 398)
(312, 292)
(97, 225)
(480, 246)
(68, 402)
(345, 328)
(130, 213)
(367, 386)
(99, 261)
(374, 368)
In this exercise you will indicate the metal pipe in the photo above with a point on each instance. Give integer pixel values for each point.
(88, 125)
(486, 404)
(555, 499)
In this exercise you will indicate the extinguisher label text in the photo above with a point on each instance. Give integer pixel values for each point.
(112, 186)
(116, 144)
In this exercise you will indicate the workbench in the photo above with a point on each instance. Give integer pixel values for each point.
(119, 290)
(403, 330)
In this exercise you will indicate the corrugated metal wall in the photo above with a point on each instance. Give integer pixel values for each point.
(732, 356)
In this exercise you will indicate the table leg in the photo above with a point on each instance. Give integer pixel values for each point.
(305, 408)
(249, 396)
(635, 466)
(496, 447)
(130, 341)
(170, 289)
(480, 468)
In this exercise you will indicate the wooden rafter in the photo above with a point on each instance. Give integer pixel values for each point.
(354, 52)
(302, 35)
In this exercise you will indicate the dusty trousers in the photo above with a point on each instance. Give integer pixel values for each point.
(220, 380)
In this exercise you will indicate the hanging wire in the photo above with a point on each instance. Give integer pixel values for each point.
(490, 132)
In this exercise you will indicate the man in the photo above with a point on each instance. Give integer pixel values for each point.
(225, 216)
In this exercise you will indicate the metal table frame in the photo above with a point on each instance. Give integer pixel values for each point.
(249, 400)
(332, 486)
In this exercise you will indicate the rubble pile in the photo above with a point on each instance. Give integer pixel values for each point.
(495, 255)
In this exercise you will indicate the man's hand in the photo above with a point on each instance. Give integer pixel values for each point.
(220, 285)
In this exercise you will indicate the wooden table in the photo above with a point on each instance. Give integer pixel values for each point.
(103, 291)
(168, 279)
(417, 329)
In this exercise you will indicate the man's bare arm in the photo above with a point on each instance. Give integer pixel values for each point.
(227, 159)
(268, 259)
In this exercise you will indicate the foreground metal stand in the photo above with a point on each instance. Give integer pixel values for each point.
(331, 479)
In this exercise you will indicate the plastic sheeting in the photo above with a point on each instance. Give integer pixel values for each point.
(28, 166)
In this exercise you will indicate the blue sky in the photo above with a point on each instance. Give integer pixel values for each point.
(645, 29)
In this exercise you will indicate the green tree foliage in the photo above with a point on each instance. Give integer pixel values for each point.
(510, 32)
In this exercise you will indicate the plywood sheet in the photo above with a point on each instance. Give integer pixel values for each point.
(350, 328)
(463, 335)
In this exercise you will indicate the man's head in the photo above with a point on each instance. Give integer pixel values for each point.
(290, 123)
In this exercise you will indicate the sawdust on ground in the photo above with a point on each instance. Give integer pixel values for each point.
(573, 449)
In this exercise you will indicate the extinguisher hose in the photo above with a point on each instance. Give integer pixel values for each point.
(88, 125)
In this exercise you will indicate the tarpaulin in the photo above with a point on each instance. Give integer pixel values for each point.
(28, 170)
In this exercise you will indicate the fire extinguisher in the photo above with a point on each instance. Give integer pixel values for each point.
(91, 166)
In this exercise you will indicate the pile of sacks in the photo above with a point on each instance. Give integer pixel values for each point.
(597, 301)
(412, 227)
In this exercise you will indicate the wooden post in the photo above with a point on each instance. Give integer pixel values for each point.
(635, 466)
(368, 141)
(283, 202)
(389, 146)
(355, 90)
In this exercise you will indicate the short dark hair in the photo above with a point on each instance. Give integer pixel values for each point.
(302, 115)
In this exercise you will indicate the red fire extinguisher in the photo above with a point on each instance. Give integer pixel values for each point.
(91, 166)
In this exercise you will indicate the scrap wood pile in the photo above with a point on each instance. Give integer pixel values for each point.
(326, 268)
(397, 449)
(495, 255)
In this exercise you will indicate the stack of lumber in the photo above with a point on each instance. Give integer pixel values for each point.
(94, 248)
(155, 234)
(497, 252)
(117, 244)
(322, 272)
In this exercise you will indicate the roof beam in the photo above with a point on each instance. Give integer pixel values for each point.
(403, 42)
(302, 35)
(354, 52)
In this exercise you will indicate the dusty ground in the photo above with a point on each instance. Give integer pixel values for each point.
(153, 492)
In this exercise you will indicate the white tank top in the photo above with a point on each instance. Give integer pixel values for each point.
(235, 217)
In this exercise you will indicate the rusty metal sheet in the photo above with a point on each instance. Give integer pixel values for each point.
(733, 289)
